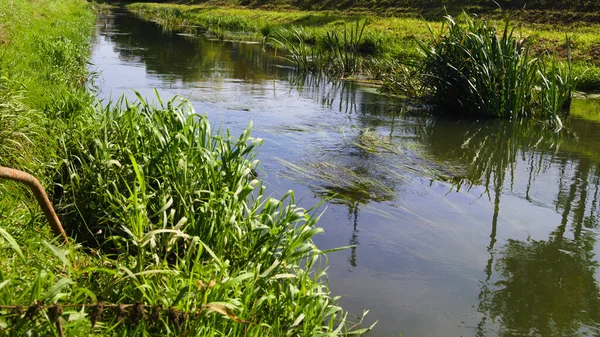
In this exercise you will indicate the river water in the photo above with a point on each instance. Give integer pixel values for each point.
(459, 228)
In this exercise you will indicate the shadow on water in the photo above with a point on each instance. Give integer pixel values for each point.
(370, 154)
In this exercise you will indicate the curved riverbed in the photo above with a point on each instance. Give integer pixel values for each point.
(460, 228)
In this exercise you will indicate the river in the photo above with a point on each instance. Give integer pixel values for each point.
(459, 227)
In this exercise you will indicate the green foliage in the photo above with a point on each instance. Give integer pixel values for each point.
(556, 88)
(44, 54)
(471, 69)
(345, 48)
(19, 129)
(300, 53)
(190, 230)
(338, 54)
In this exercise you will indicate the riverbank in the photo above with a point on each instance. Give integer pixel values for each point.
(386, 40)
(165, 239)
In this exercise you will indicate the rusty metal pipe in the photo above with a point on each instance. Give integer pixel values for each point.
(40, 195)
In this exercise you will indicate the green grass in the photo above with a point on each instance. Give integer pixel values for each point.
(405, 6)
(42, 69)
(173, 235)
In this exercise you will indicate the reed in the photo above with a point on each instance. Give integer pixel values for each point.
(300, 53)
(344, 53)
(471, 69)
(557, 86)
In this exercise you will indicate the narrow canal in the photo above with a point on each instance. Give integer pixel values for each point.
(459, 228)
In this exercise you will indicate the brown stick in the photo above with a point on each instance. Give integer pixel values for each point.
(40, 195)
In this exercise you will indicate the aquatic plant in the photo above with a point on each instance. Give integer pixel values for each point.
(299, 53)
(397, 78)
(337, 54)
(557, 85)
(335, 180)
(344, 56)
(471, 69)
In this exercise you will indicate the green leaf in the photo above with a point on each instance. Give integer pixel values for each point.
(13, 244)
(58, 253)
(56, 288)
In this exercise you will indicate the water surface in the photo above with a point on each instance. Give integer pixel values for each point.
(498, 240)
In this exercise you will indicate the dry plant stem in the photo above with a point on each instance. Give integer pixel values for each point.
(40, 195)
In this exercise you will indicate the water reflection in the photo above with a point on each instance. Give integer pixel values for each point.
(545, 288)
(542, 287)
(187, 58)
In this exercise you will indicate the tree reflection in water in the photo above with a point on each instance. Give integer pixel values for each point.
(541, 288)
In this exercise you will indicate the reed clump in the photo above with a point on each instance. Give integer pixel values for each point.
(337, 54)
(473, 69)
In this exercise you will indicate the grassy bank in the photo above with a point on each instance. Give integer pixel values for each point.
(172, 232)
(562, 8)
(385, 39)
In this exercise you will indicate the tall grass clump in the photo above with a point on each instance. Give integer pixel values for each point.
(337, 54)
(177, 203)
(472, 69)
(557, 85)
(300, 53)
(344, 53)
(180, 158)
